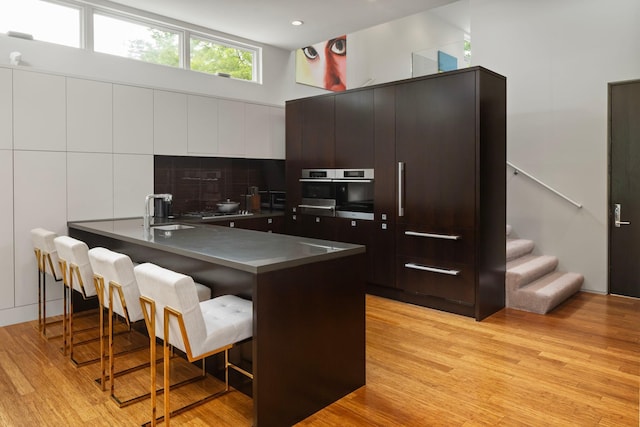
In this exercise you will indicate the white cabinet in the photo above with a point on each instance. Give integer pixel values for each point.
(231, 121)
(264, 132)
(169, 123)
(39, 113)
(89, 186)
(132, 120)
(6, 229)
(132, 181)
(89, 116)
(277, 130)
(257, 131)
(6, 109)
(202, 125)
(39, 186)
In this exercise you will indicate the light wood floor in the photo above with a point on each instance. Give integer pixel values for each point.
(578, 366)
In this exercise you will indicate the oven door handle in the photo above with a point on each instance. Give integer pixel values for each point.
(329, 208)
(368, 181)
(316, 180)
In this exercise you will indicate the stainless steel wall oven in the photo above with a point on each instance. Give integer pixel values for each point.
(346, 193)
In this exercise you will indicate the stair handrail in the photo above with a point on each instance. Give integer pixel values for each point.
(517, 170)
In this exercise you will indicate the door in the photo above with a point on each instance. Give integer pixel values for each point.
(436, 152)
(624, 191)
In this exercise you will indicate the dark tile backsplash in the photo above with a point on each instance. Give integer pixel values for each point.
(198, 183)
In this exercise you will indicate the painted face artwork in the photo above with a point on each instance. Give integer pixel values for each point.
(323, 64)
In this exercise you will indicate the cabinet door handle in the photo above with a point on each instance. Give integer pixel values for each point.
(433, 235)
(432, 269)
(400, 188)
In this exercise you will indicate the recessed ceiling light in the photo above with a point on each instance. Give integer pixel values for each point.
(297, 23)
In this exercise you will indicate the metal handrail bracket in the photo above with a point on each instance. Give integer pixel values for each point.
(517, 170)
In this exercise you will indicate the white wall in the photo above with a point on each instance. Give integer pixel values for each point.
(42, 56)
(558, 57)
(382, 54)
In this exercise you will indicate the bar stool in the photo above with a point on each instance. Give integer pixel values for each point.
(113, 274)
(48, 264)
(77, 275)
(200, 329)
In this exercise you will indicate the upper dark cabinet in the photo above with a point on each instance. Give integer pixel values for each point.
(318, 132)
(436, 141)
(354, 118)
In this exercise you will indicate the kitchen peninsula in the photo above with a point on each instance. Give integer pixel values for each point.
(308, 346)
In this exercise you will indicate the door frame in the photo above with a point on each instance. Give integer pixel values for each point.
(609, 173)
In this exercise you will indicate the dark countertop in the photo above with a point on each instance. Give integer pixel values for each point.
(251, 251)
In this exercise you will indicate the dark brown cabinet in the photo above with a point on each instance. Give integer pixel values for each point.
(317, 227)
(438, 147)
(377, 236)
(354, 118)
(318, 132)
(271, 224)
(385, 153)
(451, 161)
(293, 163)
(435, 144)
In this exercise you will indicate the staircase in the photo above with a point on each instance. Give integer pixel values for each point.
(532, 282)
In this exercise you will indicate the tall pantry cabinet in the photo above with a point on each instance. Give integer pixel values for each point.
(451, 157)
(439, 146)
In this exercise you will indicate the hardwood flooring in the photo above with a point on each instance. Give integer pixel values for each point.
(578, 366)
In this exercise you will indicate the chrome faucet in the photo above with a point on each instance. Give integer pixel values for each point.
(147, 216)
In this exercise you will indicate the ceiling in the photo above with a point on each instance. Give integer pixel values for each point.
(269, 21)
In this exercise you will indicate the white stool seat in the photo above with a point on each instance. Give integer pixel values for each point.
(227, 319)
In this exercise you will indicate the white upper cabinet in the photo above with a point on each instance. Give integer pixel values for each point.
(257, 131)
(170, 123)
(6, 109)
(132, 120)
(264, 132)
(89, 116)
(39, 113)
(277, 130)
(202, 125)
(231, 121)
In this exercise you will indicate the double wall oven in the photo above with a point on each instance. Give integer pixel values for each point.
(346, 193)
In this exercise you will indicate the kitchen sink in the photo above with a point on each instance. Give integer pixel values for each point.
(172, 227)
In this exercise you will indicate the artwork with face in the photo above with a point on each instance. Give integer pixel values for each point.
(323, 64)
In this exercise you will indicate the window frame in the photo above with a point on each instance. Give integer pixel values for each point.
(81, 16)
(88, 9)
(256, 69)
(142, 22)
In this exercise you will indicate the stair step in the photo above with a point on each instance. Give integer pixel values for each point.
(524, 270)
(518, 247)
(544, 294)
